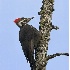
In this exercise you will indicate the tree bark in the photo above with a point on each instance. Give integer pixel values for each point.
(45, 29)
(41, 57)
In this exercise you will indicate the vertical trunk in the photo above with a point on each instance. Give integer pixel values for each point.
(45, 28)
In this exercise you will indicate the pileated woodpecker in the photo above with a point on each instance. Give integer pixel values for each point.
(29, 38)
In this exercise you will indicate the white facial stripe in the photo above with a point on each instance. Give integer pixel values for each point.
(19, 24)
(21, 21)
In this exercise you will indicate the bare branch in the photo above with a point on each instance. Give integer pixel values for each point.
(57, 54)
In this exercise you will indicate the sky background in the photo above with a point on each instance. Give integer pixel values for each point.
(11, 54)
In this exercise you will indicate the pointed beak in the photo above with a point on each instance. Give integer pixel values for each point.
(30, 19)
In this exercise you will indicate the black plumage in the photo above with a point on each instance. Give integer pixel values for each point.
(29, 38)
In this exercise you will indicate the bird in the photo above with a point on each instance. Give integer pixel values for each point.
(29, 38)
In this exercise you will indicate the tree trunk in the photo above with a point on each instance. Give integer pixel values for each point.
(45, 29)
(41, 57)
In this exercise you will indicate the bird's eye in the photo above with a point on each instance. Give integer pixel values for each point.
(21, 22)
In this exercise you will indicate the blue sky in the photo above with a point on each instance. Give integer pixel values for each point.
(11, 54)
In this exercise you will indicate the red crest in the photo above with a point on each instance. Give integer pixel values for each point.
(17, 20)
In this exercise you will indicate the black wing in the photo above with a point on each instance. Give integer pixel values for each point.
(26, 38)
